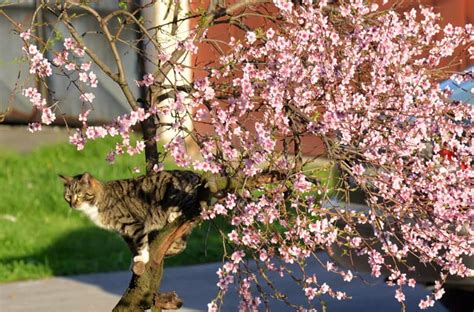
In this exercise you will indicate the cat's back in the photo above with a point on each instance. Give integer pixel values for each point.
(157, 187)
(173, 183)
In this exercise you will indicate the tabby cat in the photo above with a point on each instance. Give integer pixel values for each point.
(136, 208)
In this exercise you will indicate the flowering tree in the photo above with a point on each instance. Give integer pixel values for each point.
(361, 79)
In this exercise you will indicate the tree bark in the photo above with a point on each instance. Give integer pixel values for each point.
(149, 128)
(142, 292)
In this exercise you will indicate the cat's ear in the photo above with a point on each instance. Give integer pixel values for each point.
(66, 179)
(87, 178)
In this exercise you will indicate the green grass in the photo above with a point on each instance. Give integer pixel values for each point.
(40, 236)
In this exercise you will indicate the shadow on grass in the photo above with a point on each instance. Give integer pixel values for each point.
(91, 250)
(84, 250)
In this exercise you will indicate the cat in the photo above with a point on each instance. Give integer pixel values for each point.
(138, 207)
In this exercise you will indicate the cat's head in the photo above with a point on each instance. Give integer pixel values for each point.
(80, 189)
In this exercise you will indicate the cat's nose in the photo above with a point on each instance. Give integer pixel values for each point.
(73, 201)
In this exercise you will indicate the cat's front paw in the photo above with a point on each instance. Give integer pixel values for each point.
(140, 261)
(143, 256)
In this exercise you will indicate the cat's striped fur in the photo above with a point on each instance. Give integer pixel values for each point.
(138, 207)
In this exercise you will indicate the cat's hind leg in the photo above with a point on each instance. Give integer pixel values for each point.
(177, 246)
(139, 236)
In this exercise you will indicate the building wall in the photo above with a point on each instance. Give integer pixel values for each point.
(109, 102)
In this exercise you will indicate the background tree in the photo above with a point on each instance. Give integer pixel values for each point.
(361, 79)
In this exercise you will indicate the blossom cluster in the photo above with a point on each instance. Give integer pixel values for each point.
(69, 60)
(147, 81)
(39, 65)
(42, 67)
(365, 81)
(122, 126)
(47, 115)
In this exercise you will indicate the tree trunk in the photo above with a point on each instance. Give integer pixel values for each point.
(142, 292)
(149, 128)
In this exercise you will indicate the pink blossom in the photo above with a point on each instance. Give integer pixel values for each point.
(47, 116)
(93, 80)
(140, 145)
(83, 116)
(83, 77)
(263, 256)
(34, 127)
(251, 37)
(32, 49)
(356, 241)
(70, 66)
(86, 66)
(69, 43)
(95, 132)
(26, 34)
(233, 236)
(348, 276)
(358, 169)
(237, 256)
(340, 295)
(220, 209)
(147, 81)
(178, 151)
(270, 33)
(324, 288)
(190, 46)
(61, 58)
(399, 295)
(330, 266)
(79, 52)
(301, 184)
(87, 97)
(38, 64)
(310, 292)
(35, 97)
(78, 140)
(424, 304)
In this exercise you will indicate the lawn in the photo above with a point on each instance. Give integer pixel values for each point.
(40, 236)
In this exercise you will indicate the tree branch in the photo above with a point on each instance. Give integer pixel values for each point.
(119, 78)
(142, 292)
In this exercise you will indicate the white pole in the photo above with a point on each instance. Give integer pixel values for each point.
(158, 14)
